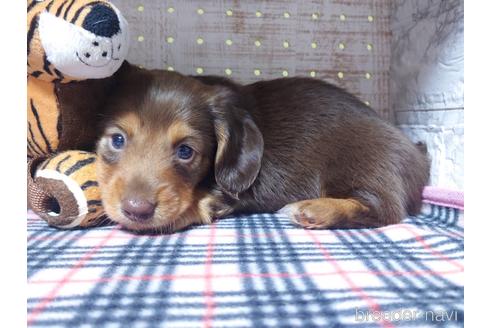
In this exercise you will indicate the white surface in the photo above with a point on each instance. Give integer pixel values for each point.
(427, 81)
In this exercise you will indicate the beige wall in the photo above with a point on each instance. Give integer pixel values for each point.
(329, 38)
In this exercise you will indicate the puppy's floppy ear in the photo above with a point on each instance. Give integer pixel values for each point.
(239, 143)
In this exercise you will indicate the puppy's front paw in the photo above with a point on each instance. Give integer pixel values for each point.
(213, 206)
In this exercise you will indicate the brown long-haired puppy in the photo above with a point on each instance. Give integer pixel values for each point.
(182, 150)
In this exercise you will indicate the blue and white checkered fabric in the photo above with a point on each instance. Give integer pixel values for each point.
(249, 271)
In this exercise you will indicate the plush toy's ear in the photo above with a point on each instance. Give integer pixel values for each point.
(63, 190)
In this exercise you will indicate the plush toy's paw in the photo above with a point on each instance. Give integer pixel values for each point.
(63, 190)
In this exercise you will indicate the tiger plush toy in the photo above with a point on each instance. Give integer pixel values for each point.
(74, 47)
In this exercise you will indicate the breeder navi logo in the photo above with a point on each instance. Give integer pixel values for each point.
(405, 315)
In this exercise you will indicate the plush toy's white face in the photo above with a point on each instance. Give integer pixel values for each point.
(83, 53)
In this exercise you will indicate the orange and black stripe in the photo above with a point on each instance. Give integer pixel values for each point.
(79, 164)
(31, 140)
(48, 148)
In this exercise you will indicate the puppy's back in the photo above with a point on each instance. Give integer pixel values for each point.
(322, 141)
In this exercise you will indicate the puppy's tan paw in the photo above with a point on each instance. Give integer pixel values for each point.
(323, 213)
(307, 215)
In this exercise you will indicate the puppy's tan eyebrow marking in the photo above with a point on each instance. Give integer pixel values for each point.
(114, 127)
(179, 131)
(128, 123)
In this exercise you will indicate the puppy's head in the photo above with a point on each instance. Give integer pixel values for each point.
(171, 140)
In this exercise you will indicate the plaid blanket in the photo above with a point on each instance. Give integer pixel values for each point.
(249, 271)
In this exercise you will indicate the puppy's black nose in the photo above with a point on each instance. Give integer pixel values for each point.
(102, 21)
(137, 209)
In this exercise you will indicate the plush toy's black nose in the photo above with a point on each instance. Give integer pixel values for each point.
(102, 21)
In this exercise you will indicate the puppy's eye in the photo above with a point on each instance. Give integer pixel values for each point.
(117, 141)
(184, 152)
